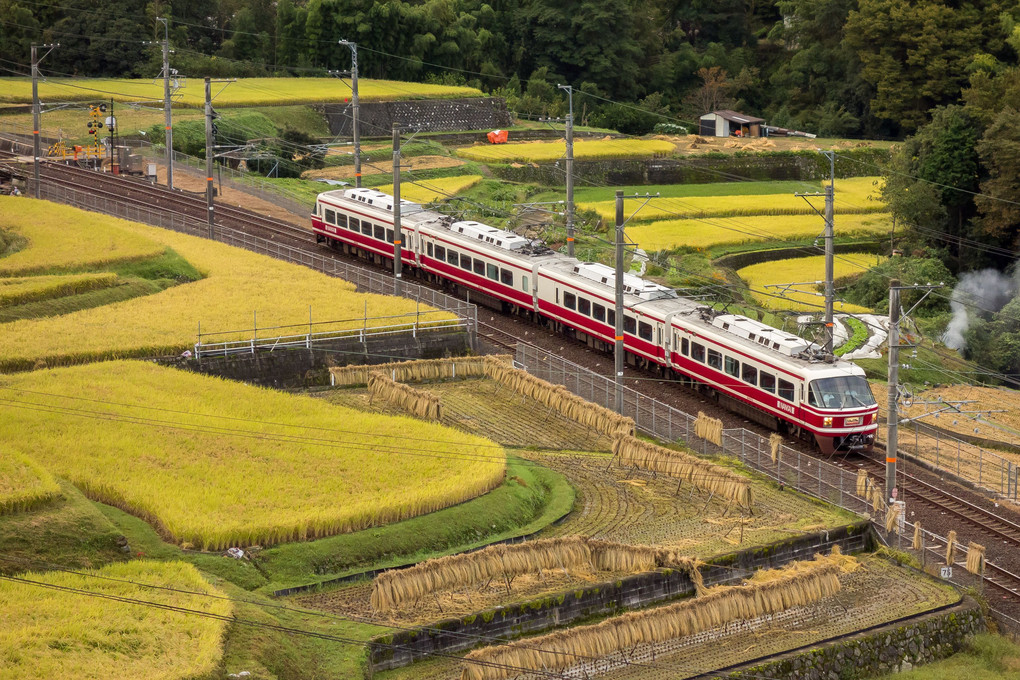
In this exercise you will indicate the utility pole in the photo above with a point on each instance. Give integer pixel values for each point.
(209, 152)
(397, 249)
(830, 192)
(36, 150)
(357, 115)
(892, 438)
(618, 349)
(167, 120)
(570, 168)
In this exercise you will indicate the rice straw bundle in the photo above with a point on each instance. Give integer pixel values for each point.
(975, 558)
(399, 586)
(891, 516)
(862, 483)
(775, 441)
(875, 497)
(700, 473)
(916, 545)
(560, 399)
(799, 585)
(415, 371)
(416, 402)
(951, 548)
(708, 428)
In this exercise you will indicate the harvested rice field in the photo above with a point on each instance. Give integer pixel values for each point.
(876, 592)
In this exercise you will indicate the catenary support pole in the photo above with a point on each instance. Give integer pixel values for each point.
(892, 439)
(355, 109)
(618, 349)
(830, 191)
(397, 234)
(36, 142)
(167, 118)
(570, 168)
(209, 153)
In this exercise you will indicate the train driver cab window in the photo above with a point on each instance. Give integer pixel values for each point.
(645, 331)
(440, 253)
(685, 347)
(366, 228)
(786, 390)
(331, 216)
(629, 325)
(767, 382)
(849, 391)
(715, 359)
(524, 284)
(569, 300)
(584, 306)
(749, 374)
(479, 267)
(492, 271)
(506, 277)
(698, 352)
(465, 262)
(599, 312)
(451, 257)
(389, 236)
(380, 232)
(732, 367)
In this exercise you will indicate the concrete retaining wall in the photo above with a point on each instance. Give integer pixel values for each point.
(306, 367)
(636, 591)
(427, 115)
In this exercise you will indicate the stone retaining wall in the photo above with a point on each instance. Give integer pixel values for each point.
(427, 115)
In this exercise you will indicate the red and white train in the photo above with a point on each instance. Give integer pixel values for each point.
(765, 374)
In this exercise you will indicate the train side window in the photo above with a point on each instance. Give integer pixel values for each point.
(629, 325)
(366, 228)
(715, 359)
(599, 312)
(698, 352)
(685, 347)
(644, 331)
(354, 224)
(465, 262)
(767, 382)
(451, 257)
(440, 253)
(428, 248)
(732, 367)
(380, 232)
(749, 374)
(506, 277)
(479, 267)
(569, 300)
(611, 317)
(492, 271)
(786, 390)
(557, 296)
(524, 284)
(341, 220)
(584, 306)
(389, 236)
(331, 216)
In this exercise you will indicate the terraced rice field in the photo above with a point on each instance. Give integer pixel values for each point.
(874, 593)
(804, 270)
(546, 152)
(430, 190)
(23, 483)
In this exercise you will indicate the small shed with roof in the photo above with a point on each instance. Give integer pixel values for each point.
(725, 123)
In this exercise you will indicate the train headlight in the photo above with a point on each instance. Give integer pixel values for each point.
(874, 418)
(827, 422)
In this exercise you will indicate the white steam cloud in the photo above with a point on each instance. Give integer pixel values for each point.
(987, 290)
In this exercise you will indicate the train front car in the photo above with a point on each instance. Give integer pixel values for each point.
(839, 408)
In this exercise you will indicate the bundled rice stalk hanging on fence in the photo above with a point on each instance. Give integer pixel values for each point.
(891, 516)
(916, 545)
(394, 588)
(875, 497)
(775, 441)
(416, 402)
(702, 474)
(708, 428)
(975, 558)
(794, 587)
(560, 399)
(951, 548)
(862, 483)
(415, 371)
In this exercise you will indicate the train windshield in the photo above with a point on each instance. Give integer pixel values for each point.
(851, 391)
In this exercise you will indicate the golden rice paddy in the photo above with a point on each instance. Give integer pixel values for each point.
(430, 190)
(47, 633)
(21, 289)
(586, 150)
(213, 463)
(809, 271)
(23, 483)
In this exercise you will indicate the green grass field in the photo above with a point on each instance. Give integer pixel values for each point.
(243, 92)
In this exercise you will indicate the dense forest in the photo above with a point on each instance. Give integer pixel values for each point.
(870, 68)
